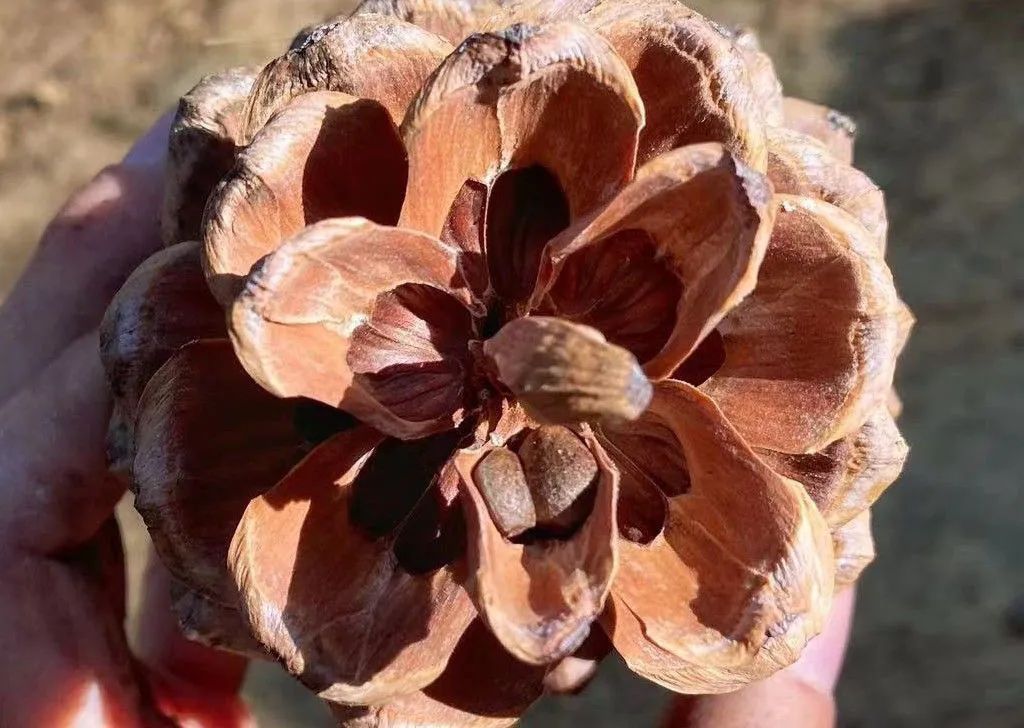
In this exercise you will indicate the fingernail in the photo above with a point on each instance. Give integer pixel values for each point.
(151, 148)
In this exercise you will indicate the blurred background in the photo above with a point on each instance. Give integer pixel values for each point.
(935, 87)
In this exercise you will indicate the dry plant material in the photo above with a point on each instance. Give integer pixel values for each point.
(494, 336)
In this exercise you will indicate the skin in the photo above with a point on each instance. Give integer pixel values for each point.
(64, 657)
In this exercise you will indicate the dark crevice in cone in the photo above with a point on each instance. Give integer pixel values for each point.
(650, 470)
(316, 422)
(394, 479)
(526, 208)
(641, 509)
(308, 66)
(622, 287)
(341, 178)
(410, 354)
(492, 323)
(576, 516)
(641, 513)
(484, 679)
(435, 533)
(410, 314)
(706, 359)
(653, 451)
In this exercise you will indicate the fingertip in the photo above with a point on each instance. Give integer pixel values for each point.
(822, 660)
(161, 645)
(150, 149)
(781, 700)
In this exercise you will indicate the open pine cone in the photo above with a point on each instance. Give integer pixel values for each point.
(577, 327)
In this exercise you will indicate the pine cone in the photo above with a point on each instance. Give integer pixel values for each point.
(578, 328)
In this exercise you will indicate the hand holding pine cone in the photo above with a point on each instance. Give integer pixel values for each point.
(484, 328)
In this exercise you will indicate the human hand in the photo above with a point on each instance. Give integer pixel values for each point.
(798, 697)
(64, 657)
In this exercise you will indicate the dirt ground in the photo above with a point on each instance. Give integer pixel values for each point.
(935, 87)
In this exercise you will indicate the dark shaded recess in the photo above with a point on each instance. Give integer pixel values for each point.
(577, 515)
(401, 321)
(624, 289)
(394, 479)
(484, 679)
(316, 422)
(343, 178)
(641, 509)
(435, 533)
(652, 467)
(527, 208)
(704, 361)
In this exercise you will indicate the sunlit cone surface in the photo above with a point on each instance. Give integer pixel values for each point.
(509, 329)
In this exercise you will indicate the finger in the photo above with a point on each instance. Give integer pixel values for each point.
(63, 646)
(57, 492)
(104, 231)
(822, 660)
(163, 647)
(798, 697)
(781, 700)
(64, 660)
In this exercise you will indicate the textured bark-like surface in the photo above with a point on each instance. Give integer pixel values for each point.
(765, 81)
(854, 548)
(375, 58)
(213, 624)
(450, 19)
(163, 305)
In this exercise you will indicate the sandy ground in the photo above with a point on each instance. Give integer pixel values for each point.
(935, 88)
